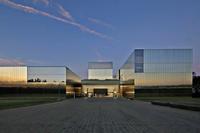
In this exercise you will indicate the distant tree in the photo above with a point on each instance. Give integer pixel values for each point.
(194, 74)
(44, 80)
(196, 86)
(37, 80)
(30, 80)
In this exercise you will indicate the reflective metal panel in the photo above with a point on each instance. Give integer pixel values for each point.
(72, 77)
(13, 75)
(159, 67)
(100, 65)
(100, 70)
(101, 74)
(55, 75)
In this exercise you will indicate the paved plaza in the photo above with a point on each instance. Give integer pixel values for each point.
(99, 116)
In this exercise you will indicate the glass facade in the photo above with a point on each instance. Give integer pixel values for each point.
(72, 77)
(41, 79)
(100, 70)
(13, 75)
(53, 75)
(139, 61)
(73, 84)
(159, 67)
(100, 65)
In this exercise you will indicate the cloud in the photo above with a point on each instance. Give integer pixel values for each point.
(35, 62)
(29, 9)
(21, 62)
(66, 14)
(96, 21)
(11, 62)
(99, 55)
(46, 2)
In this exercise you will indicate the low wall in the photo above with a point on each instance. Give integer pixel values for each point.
(168, 91)
(31, 89)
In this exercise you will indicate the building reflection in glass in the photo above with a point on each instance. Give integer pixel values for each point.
(73, 84)
(38, 79)
(47, 75)
(159, 67)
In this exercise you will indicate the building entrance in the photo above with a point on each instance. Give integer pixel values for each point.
(100, 92)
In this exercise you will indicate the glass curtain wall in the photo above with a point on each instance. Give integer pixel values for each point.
(73, 84)
(100, 70)
(72, 77)
(51, 75)
(47, 77)
(13, 75)
(159, 67)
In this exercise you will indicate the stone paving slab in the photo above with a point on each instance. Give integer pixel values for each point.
(99, 116)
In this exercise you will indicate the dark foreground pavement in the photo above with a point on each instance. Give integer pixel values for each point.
(99, 116)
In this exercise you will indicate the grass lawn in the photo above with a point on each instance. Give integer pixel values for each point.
(184, 100)
(14, 101)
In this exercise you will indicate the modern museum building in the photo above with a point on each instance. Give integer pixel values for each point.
(146, 72)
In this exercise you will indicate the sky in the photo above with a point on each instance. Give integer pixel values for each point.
(74, 32)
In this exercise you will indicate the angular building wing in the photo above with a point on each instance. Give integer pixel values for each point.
(37, 79)
(158, 68)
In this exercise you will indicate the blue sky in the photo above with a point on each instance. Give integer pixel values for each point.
(74, 32)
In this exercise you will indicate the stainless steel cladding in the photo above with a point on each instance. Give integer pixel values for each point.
(159, 67)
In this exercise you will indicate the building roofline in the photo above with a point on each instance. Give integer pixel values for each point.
(100, 62)
(28, 66)
(100, 82)
(11, 66)
(163, 49)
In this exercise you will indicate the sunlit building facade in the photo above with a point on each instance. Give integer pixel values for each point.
(37, 79)
(73, 84)
(100, 70)
(146, 72)
(12, 76)
(100, 80)
(155, 70)
(47, 74)
(99, 88)
(47, 79)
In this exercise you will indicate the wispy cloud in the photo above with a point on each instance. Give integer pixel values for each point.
(66, 14)
(20, 62)
(35, 62)
(11, 62)
(99, 55)
(29, 9)
(46, 2)
(100, 22)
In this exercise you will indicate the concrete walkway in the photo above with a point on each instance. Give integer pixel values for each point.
(99, 116)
